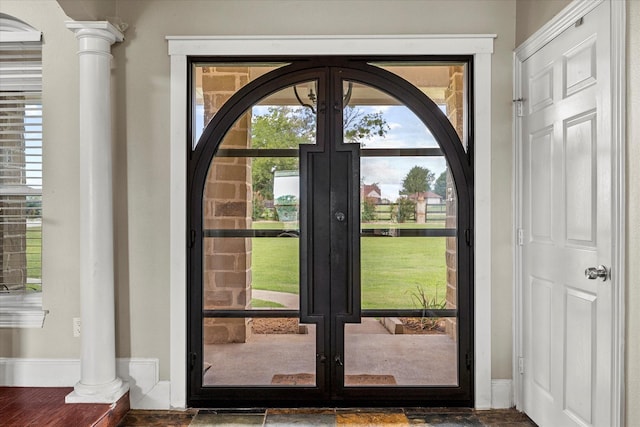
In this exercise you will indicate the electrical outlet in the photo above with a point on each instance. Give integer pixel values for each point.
(76, 327)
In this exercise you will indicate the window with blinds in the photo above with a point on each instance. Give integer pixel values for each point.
(20, 162)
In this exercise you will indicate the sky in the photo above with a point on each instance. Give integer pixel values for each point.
(33, 145)
(406, 131)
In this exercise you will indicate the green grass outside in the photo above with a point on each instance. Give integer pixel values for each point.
(34, 252)
(274, 264)
(392, 268)
(260, 303)
(268, 225)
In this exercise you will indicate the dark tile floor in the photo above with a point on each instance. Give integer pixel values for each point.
(21, 407)
(374, 417)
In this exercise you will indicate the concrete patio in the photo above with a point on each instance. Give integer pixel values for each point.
(428, 359)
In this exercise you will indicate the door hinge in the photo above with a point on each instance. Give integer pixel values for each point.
(521, 365)
(468, 360)
(519, 103)
(520, 237)
(192, 238)
(468, 236)
(192, 360)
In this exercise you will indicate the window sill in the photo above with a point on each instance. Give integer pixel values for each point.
(22, 311)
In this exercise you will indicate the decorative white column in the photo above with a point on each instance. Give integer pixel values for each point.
(98, 381)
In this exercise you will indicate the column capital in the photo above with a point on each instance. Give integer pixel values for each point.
(98, 29)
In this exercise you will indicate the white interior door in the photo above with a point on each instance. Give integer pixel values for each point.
(566, 222)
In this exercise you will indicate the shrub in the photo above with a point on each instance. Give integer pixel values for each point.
(422, 300)
(406, 209)
(368, 210)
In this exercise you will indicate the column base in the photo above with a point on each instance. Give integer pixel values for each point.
(102, 393)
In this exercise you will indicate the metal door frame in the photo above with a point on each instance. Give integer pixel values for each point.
(461, 166)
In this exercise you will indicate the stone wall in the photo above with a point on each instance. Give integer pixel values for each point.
(227, 205)
(454, 98)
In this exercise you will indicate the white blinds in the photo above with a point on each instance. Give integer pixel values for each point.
(20, 66)
(20, 166)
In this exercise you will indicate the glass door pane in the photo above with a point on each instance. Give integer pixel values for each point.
(408, 331)
(446, 83)
(252, 335)
(212, 84)
(328, 252)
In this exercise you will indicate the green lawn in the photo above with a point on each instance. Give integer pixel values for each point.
(34, 252)
(392, 267)
(260, 303)
(274, 264)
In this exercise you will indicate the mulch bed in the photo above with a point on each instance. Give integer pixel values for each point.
(274, 326)
(414, 325)
(349, 380)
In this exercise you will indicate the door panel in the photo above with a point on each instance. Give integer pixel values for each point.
(297, 296)
(404, 244)
(567, 223)
(252, 335)
(580, 177)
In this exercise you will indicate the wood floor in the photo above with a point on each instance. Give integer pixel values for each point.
(44, 406)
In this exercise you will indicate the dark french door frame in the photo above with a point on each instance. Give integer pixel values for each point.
(329, 72)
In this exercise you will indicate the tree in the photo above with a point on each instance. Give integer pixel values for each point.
(34, 206)
(368, 204)
(440, 187)
(359, 127)
(417, 180)
(280, 127)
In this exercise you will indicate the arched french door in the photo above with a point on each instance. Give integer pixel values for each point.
(308, 284)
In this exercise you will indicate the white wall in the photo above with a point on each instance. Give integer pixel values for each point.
(141, 88)
(533, 14)
(60, 194)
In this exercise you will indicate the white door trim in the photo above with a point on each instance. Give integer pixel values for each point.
(566, 18)
(480, 46)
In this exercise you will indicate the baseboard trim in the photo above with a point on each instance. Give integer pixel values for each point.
(142, 374)
(501, 394)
